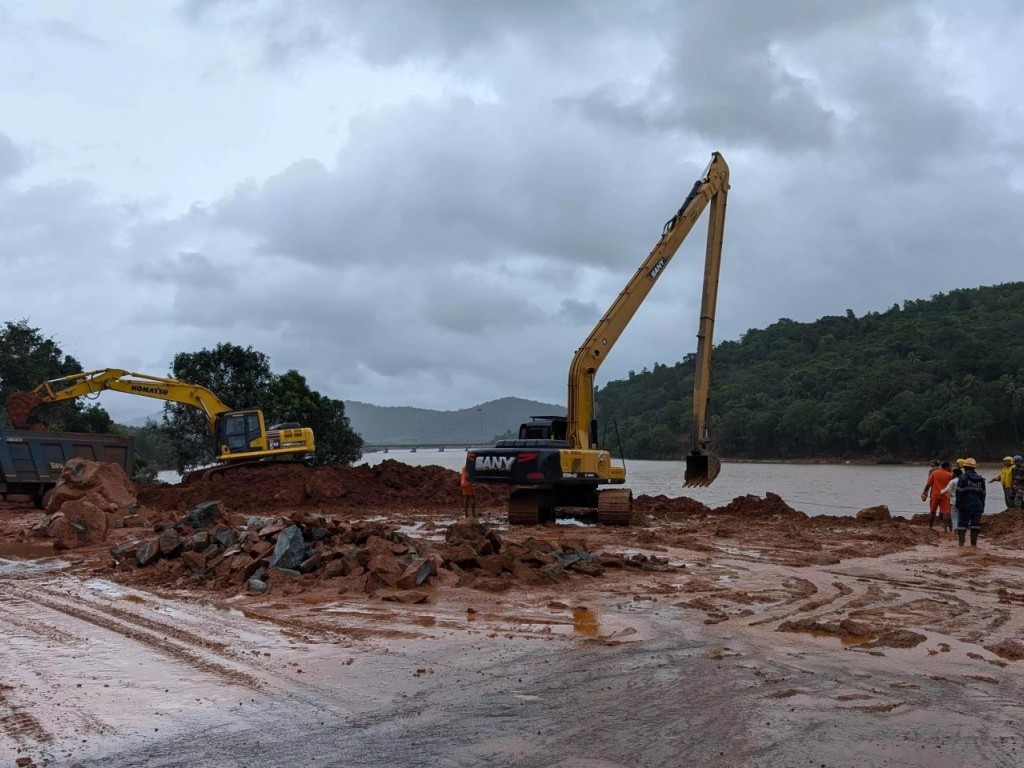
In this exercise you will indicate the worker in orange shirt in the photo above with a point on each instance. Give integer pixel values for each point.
(938, 502)
(468, 493)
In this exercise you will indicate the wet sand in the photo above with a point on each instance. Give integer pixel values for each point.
(770, 641)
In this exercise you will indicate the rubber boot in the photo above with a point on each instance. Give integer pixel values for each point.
(974, 537)
(960, 537)
(931, 521)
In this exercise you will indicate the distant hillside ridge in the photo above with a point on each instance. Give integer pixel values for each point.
(931, 378)
(402, 425)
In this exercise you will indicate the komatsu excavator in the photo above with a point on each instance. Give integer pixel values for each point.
(238, 435)
(556, 461)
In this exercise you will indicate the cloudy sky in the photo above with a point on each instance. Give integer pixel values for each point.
(430, 202)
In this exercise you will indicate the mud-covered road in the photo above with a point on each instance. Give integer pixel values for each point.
(684, 668)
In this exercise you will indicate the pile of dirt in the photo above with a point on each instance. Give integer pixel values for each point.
(283, 485)
(288, 554)
(89, 499)
(1005, 528)
(662, 507)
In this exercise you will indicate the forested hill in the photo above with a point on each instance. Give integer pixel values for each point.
(480, 423)
(939, 377)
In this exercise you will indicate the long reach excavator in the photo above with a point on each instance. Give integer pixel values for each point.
(555, 461)
(239, 436)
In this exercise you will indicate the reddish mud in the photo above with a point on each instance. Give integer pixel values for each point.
(826, 618)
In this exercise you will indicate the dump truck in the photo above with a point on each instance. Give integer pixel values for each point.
(31, 461)
(556, 461)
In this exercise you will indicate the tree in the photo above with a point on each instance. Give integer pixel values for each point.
(30, 358)
(291, 399)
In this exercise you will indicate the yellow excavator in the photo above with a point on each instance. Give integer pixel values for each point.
(556, 460)
(239, 435)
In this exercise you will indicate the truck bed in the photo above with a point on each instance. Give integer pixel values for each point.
(31, 462)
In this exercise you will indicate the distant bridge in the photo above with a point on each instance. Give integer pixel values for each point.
(413, 447)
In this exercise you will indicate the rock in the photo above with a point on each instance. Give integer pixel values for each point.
(282, 574)
(879, 513)
(135, 521)
(126, 549)
(203, 515)
(464, 556)
(411, 598)
(200, 540)
(170, 543)
(254, 568)
(194, 561)
(148, 552)
(80, 524)
(81, 478)
(275, 527)
(289, 550)
(336, 568)
(415, 574)
(260, 549)
(386, 568)
(256, 586)
(224, 536)
(310, 563)
(258, 522)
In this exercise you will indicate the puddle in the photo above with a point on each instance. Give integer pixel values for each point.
(843, 639)
(26, 550)
(584, 622)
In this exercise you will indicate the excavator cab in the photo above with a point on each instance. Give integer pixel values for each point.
(240, 432)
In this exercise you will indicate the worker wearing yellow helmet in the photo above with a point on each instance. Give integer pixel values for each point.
(1005, 478)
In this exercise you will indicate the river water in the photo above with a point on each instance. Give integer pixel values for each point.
(816, 489)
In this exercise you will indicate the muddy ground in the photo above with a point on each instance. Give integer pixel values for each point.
(746, 635)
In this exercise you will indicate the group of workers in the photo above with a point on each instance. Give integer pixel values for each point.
(956, 494)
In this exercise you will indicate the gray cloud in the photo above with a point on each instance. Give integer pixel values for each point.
(461, 242)
(12, 159)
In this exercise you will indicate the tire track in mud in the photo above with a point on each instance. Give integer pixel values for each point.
(17, 724)
(132, 617)
(129, 627)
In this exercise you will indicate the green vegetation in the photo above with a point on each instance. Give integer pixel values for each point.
(936, 377)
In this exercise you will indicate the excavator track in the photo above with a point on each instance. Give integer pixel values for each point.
(615, 507)
(524, 507)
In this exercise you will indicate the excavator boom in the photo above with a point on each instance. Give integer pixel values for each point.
(711, 189)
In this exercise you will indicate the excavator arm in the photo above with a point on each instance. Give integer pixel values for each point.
(711, 189)
(21, 404)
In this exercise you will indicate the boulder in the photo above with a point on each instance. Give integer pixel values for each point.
(289, 550)
(878, 514)
(203, 515)
(148, 552)
(170, 543)
(79, 524)
(81, 477)
(416, 574)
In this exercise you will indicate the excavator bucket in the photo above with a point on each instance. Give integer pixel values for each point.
(701, 469)
(19, 406)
